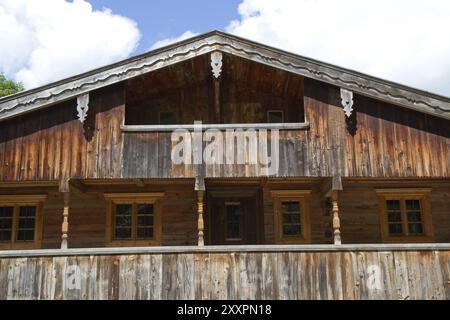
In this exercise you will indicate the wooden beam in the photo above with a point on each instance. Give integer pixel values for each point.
(139, 182)
(326, 188)
(218, 126)
(65, 224)
(78, 185)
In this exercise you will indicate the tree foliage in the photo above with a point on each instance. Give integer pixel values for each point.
(8, 87)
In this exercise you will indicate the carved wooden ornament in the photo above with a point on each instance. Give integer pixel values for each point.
(82, 107)
(347, 101)
(216, 63)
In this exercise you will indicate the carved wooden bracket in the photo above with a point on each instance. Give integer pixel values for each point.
(82, 107)
(216, 63)
(347, 101)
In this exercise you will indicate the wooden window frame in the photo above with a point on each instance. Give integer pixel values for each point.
(275, 110)
(402, 195)
(133, 198)
(302, 196)
(17, 201)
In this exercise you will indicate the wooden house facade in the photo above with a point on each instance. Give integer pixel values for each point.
(93, 205)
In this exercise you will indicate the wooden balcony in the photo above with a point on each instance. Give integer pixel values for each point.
(387, 271)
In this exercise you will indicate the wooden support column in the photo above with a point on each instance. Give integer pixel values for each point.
(200, 223)
(65, 223)
(336, 219)
(216, 65)
(200, 188)
(217, 107)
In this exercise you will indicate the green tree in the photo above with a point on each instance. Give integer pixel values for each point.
(8, 87)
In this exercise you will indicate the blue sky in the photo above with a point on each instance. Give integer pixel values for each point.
(158, 20)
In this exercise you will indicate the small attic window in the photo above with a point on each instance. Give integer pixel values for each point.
(275, 116)
(167, 118)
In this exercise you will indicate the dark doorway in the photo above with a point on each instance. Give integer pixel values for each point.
(234, 217)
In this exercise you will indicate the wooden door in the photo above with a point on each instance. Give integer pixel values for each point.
(233, 220)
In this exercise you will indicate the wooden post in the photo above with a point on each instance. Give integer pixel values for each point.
(216, 65)
(65, 224)
(200, 224)
(336, 219)
(217, 107)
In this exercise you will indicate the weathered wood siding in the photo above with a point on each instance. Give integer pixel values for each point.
(52, 144)
(360, 219)
(356, 274)
(389, 141)
(87, 220)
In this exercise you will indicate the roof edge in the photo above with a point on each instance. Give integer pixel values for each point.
(392, 92)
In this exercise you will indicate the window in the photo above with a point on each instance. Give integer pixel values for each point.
(405, 215)
(291, 218)
(275, 116)
(134, 219)
(20, 221)
(233, 221)
(291, 210)
(167, 118)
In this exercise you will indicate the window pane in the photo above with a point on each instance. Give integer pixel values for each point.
(5, 235)
(291, 218)
(6, 222)
(6, 212)
(395, 228)
(25, 231)
(167, 118)
(415, 228)
(25, 235)
(393, 205)
(145, 209)
(145, 233)
(27, 212)
(275, 116)
(124, 209)
(123, 233)
(291, 207)
(414, 216)
(233, 212)
(145, 221)
(394, 216)
(233, 231)
(27, 223)
(123, 221)
(412, 205)
(291, 230)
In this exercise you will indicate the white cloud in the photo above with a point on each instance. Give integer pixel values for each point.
(165, 42)
(406, 41)
(46, 40)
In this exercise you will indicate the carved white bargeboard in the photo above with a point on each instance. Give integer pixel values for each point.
(347, 101)
(216, 63)
(82, 107)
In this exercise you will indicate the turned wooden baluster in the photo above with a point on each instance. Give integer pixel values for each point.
(336, 219)
(65, 224)
(201, 224)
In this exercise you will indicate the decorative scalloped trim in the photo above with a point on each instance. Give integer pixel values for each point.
(214, 47)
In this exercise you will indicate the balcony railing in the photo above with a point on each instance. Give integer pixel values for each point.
(387, 271)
